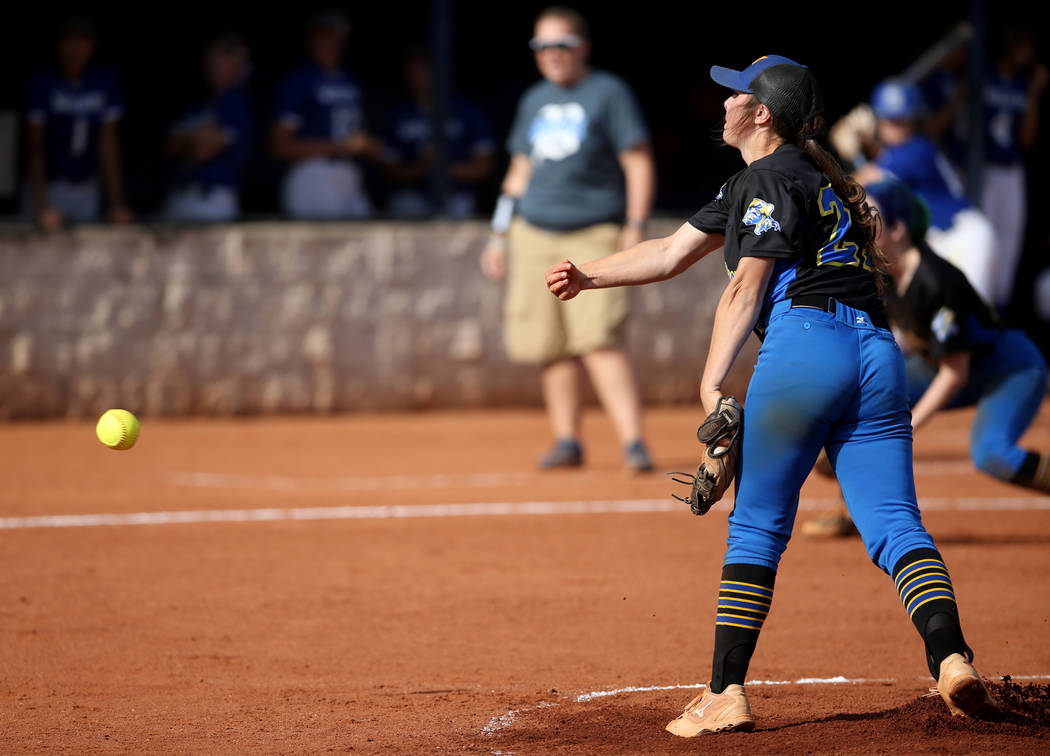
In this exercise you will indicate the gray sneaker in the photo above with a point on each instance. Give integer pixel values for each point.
(637, 457)
(566, 452)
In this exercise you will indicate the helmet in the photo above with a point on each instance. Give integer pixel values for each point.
(897, 100)
(897, 202)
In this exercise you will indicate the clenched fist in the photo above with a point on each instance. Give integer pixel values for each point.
(565, 280)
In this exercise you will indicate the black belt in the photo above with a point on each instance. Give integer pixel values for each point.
(816, 301)
(829, 304)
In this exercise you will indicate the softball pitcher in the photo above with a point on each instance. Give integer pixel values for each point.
(798, 243)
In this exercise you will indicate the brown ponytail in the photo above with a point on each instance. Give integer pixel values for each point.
(845, 186)
(863, 215)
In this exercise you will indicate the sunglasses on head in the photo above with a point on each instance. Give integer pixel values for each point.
(569, 42)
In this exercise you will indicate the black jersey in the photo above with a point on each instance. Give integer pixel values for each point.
(782, 206)
(940, 313)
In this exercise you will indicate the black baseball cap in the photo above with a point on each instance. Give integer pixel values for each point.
(787, 88)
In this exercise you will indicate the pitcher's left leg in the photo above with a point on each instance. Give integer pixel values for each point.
(873, 460)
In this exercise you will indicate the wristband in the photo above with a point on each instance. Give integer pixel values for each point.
(503, 213)
(638, 223)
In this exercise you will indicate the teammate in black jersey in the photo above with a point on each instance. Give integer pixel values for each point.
(961, 354)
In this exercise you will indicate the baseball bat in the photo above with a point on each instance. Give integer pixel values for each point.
(929, 60)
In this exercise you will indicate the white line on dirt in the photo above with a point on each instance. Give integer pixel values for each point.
(348, 483)
(838, 680)
(479, 509)
(423, 482)
(506, 720)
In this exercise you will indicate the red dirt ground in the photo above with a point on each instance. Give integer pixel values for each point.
(474, 634)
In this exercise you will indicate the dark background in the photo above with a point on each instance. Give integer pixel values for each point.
(663, 50)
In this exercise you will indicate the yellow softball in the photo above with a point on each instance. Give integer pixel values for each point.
(117, 429)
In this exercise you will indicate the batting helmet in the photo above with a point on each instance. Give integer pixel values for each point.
(897, 100)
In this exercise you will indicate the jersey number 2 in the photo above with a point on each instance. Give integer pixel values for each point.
(837, 251)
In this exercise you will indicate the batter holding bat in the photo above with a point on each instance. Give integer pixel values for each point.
(798, 241)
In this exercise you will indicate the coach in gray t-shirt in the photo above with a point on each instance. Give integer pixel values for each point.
(573, 137)
(581, 181)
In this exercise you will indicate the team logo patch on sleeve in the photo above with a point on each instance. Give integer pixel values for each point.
(760, 215)
(944, 325)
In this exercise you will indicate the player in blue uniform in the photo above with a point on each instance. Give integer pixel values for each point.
(798, 243)
(959, 232)
(943, 94)
(212, 139)
(409, 155)
(1012, 91)
(961, 354)
(73, 114)
(320, 130)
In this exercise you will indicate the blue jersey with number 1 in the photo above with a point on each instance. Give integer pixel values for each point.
(1005, 104)
(72, 113)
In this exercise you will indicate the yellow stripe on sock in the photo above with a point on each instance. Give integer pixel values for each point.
(746, 593)
(934, 598)
(746, 601)
(936, 585)
(749, 585)
(734, 624)
(938, 574)
(738, 616)
(904, 572)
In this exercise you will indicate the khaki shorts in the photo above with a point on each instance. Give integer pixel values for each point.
(538, 327)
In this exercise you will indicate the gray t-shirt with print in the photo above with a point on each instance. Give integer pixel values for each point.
(573, 135)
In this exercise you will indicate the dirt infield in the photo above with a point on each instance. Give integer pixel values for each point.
(411, 583)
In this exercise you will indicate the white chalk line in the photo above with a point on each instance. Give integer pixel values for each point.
(837, 680)
(506, 720)
(379, 512)
(478, 509)
(288, 483)
(348, 483)
(497, 723)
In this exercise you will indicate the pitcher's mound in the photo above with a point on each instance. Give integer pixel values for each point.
(791, 721)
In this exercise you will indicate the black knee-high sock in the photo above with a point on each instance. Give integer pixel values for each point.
(744, 596)
(926, 591)
(1034, 472)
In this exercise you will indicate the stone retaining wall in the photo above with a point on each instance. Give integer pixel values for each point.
(261, 318)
